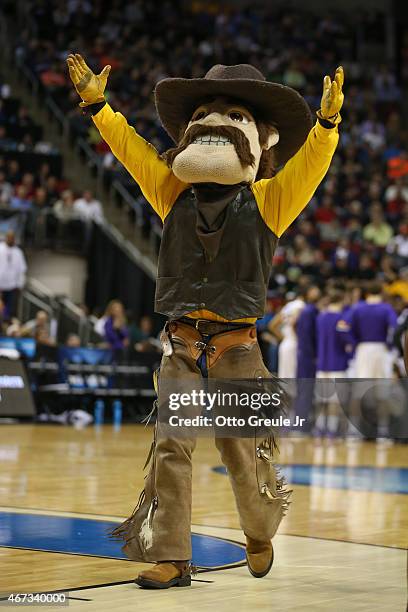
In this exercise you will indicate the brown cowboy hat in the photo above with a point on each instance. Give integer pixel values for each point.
(176, 99)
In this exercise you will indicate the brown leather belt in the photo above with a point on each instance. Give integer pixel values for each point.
(217, 345)
(206, 327)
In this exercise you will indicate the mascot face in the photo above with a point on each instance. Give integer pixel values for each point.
(221, 144)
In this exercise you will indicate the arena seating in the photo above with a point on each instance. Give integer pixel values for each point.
(365, 193)
(67, 378)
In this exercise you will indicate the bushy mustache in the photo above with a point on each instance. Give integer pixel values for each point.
(235, 135)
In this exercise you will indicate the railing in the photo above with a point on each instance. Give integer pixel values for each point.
(29, 76)
(58, 116)
(41, 292)
(65, 316)
(93, 160)
(72, 320)
(118, 190)
(145, 263)
(30, 304)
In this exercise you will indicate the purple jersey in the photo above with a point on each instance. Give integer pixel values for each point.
(306, 348)
(331, 354)
(372, 322)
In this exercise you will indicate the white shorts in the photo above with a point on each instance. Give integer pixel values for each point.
(373, 360)
(331, 374)
(287, 358)
(326, 391)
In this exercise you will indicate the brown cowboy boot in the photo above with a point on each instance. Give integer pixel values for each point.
(259, 557)
(165, 574)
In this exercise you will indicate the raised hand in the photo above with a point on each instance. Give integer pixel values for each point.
(333, 97)
(88, 85)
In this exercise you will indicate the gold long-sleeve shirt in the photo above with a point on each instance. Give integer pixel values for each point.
(280, 199)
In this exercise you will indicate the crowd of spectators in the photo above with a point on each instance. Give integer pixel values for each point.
(116, 329)
(31, 181)
(357, 224)
(121, 332)
(41, 328)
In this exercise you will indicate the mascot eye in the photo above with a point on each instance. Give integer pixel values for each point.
(199, 115)
(236, 116)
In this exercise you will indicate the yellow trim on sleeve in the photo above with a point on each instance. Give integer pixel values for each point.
(282, 198)
(159, 185)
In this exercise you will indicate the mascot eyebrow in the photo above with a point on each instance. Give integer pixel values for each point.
(267, 164)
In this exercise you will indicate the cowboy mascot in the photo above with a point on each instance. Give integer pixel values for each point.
(247, 161)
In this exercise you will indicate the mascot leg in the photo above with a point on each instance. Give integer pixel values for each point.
(260, 494)
(159, 529)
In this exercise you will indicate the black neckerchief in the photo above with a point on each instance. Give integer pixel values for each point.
(212, 202)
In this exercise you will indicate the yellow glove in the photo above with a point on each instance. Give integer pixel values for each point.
(89, 86)
(332, 98)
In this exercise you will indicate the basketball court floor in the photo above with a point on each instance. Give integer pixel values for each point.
(342, 545)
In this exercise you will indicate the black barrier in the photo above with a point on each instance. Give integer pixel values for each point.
(113, 274)
(15, 394)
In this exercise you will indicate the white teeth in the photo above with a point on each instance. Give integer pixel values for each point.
(211, 139)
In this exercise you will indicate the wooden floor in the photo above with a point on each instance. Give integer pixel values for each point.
(337, 549)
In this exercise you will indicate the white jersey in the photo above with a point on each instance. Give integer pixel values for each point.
(287, 355)
(290, 313)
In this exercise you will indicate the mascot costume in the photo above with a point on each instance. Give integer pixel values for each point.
(247, 161)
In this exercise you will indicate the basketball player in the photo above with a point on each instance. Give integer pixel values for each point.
(332, 360)
(371, 324)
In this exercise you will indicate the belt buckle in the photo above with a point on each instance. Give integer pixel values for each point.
(197, 325)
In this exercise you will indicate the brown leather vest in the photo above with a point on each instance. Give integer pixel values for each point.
(234, 283)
